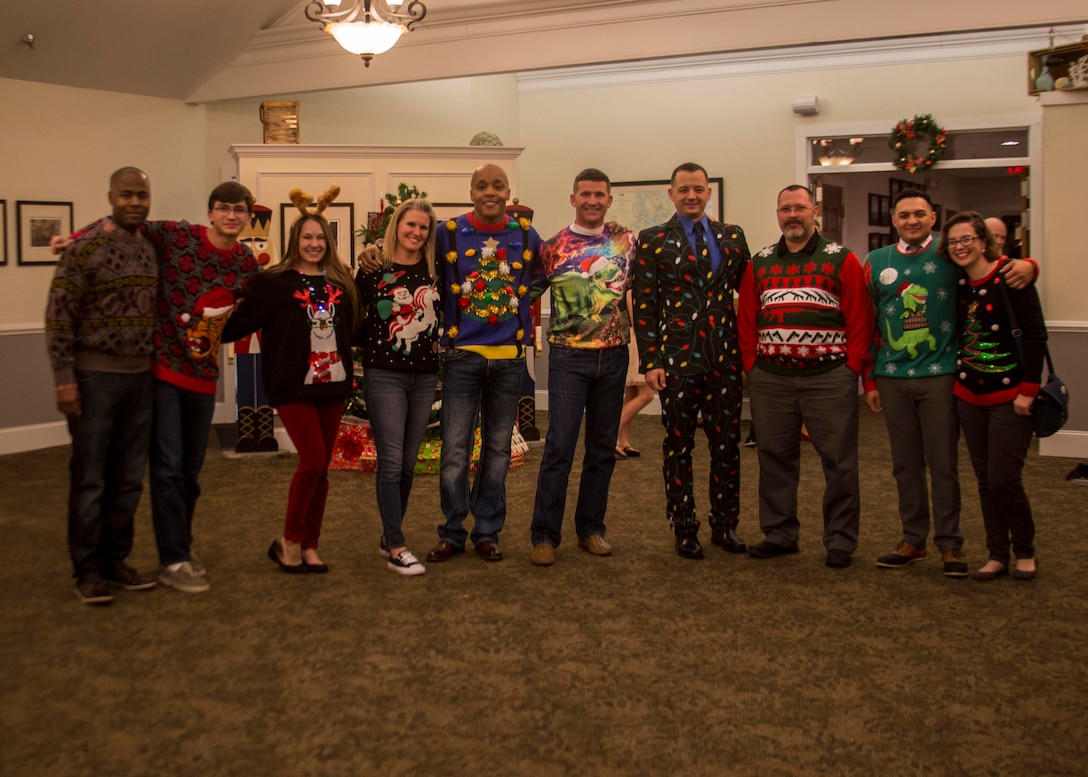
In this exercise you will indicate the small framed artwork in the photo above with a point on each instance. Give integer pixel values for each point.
(36, 223)
(879, 240)
(874, 210)
(341, 218)
(938, 211)
(3, 232)
(884, 211)
(640, 205)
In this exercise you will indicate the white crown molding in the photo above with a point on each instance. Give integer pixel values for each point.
(301, 150)
(824, 56)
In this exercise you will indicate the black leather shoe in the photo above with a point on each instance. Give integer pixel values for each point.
(689, 546)
(728, 539)
(838, 559)
(768, 549)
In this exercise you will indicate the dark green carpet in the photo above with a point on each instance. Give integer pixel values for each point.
(639, 664)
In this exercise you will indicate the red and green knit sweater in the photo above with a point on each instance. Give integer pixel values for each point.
(804, 311)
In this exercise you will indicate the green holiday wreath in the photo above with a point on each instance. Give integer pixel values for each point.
(903, 141)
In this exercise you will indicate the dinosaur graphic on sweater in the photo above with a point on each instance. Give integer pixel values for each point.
(915, 323)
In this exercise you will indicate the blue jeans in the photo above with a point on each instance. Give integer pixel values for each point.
(473, 385)
(109, 456)
(399, 404)
(589, 381)
(179, 440)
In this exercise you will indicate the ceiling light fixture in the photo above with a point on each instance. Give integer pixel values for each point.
(366, 27)
(838, 151)
(1010, 143)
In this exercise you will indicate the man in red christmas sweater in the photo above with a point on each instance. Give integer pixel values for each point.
(204, 270)
(805, 326)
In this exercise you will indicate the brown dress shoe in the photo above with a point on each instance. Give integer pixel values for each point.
(443, 551)
(488, 551)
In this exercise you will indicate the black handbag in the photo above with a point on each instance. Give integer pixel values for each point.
(1050, 410)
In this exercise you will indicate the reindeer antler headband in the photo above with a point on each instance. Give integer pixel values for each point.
(302, 200)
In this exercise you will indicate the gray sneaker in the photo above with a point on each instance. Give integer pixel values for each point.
(197, 565)
(92, 589)
(184, 579)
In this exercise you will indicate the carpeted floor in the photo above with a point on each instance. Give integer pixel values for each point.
(638, 664)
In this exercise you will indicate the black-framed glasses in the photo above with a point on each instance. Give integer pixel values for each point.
(966, 242)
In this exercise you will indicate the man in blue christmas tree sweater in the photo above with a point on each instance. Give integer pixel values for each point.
(487, 264)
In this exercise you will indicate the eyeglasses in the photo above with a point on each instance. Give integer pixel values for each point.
(966, 242)
(786, 210)
(238, 210)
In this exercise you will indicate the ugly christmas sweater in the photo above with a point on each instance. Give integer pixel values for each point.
(306, 323)
(588, 274)
(989, 369)
(804, 311)
(915, 300)
(101, 308)
(200, 284)
(400, 325)
(486, 271)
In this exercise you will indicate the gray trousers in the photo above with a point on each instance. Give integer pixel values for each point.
(924, 429)
(828, 404)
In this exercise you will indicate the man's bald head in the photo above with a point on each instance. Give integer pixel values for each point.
(999, 231)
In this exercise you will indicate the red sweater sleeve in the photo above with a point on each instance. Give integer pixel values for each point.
(747, 312)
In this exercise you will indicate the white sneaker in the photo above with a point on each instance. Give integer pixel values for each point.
(405, 563)
(184, 579)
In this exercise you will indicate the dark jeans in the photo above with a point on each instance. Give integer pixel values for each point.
(399, 404)
(109, 455)
(579, 381)
(489, 388)
(998, 439)
(179, 440)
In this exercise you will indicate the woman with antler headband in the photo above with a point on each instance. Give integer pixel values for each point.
(399, 335)
(306, 307)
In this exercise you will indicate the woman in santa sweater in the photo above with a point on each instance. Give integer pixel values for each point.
(996, 383)
(306, 308)
(399, 336)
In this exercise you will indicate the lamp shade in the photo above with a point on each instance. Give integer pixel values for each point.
(365, 38)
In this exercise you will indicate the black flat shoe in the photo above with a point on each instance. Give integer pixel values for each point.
(316, 569)
(986, 577)
(1025, 574)
(275, 552)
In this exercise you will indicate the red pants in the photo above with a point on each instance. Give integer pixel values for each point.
(312, 427)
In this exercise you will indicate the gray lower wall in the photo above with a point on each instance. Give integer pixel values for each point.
(26, 389)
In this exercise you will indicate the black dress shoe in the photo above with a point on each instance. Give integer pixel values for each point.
(488, 551)
(316, 569)
(728, 539)
(768, 549)
(444, 551)
(689, 546)
(275, 552)
(838, 559)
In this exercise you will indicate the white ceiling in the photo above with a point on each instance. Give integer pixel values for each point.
(206, 50)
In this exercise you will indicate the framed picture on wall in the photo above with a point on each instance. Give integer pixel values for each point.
(642, 204)
(878, 240)
(874, 210)
(36, 223)
(3, 232)
(884, 211)
(341, 218)
(896, 185)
